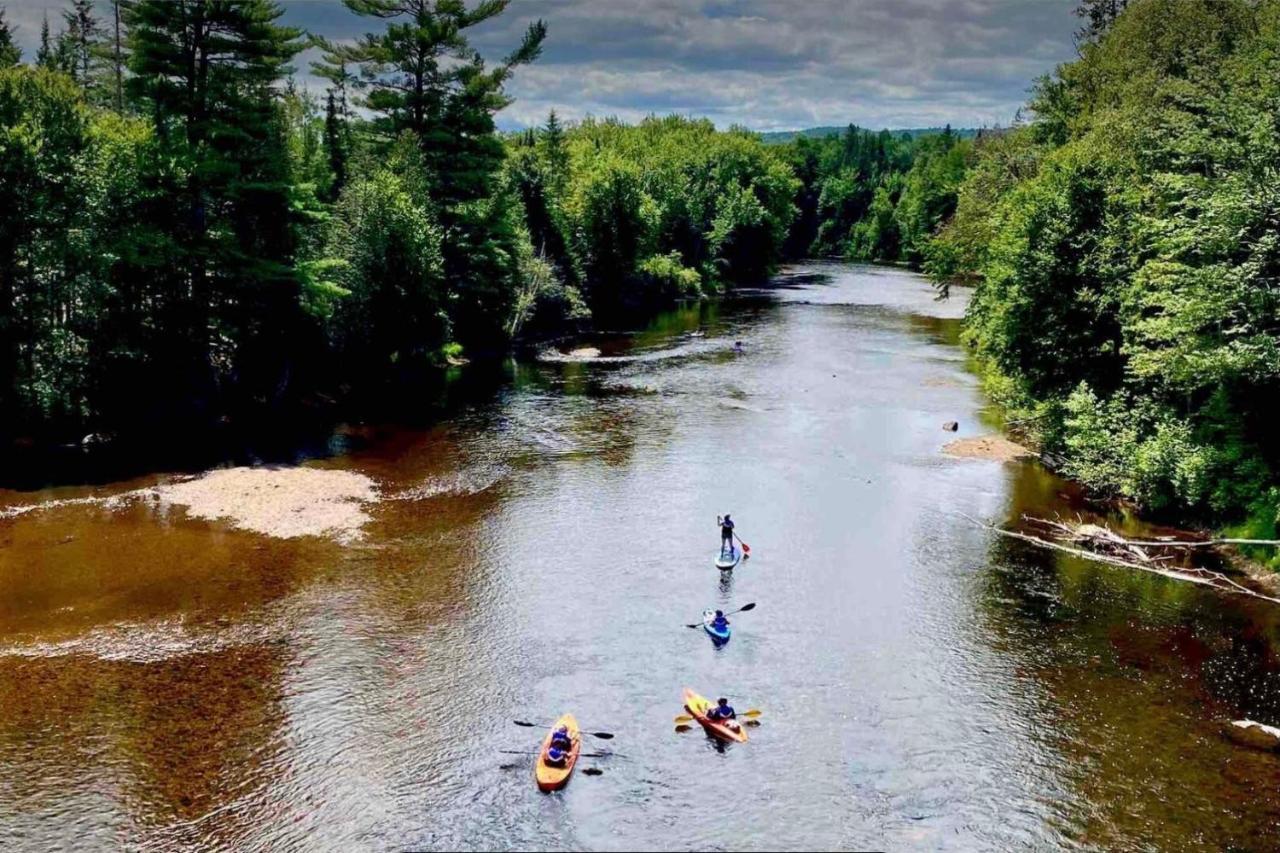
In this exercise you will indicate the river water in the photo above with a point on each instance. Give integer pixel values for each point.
(174, 683)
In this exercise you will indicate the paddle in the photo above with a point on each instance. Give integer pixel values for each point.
(753, 713)
(743, 609)
(529, 725)
(580, 755)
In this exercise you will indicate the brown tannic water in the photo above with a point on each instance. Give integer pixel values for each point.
(169, 682)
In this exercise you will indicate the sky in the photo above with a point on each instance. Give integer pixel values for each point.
(764, 64)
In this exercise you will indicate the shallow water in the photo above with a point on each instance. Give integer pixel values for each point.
(173, 683)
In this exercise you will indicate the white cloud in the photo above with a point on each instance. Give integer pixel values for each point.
(762, 63)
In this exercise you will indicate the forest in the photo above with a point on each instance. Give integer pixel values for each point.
(191, 236)
(1124, 249)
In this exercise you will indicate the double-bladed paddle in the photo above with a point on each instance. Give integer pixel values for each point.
(743, 609)
(752, 714)
(580, 755)
(529, 725)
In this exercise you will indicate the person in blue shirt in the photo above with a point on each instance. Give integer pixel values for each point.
(723, 711)
(560, 739)
(721, 622)
(726, 534)
(556, 756)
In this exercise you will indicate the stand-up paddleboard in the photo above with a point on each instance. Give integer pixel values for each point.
(708, 624)
(726, 560)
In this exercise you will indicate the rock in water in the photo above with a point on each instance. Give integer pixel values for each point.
(1253, 734)
(951, 426)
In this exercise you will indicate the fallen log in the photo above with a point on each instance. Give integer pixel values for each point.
(1202, 576)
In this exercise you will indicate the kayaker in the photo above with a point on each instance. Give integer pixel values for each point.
(560, 739)
(738, 348)
(722, 711)
(720, 623)
(556, 756)
(726, 533)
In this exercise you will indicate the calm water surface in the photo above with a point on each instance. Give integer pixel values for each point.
(171, 684)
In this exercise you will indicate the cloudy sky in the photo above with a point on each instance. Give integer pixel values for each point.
(766, 64)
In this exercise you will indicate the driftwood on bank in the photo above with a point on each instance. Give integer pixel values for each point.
(1093, 542)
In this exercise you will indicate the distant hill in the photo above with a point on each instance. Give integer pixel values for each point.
(779, 137)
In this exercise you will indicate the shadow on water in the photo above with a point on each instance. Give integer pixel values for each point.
(543, 530)
(1139, 672)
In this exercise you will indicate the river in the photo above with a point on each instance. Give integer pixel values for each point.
(169, 682)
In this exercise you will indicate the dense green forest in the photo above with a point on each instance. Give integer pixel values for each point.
(188, 236)
(875, 196)
(781, 137)
(1125, 249)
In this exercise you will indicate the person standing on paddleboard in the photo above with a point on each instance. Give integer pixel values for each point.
(726, 533)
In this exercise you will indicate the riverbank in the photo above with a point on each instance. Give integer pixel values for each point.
(192, 682)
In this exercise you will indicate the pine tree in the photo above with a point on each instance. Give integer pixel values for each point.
(45, 56)
(112, 59)
(205, 70)
(335, 143)
(333, 67)
(422, 75)
(10, 54)
(1098, 15)
(555, 153)
(81, 40)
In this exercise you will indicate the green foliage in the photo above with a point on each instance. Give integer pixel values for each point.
(999, 162)
(875, 196)
(717, 203)
(1125, 251)
(10, 53)
(666, 278)
(387, 304)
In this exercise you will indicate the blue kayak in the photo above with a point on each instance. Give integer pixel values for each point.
(718, 637)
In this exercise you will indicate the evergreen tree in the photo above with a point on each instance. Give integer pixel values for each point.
(10, 54)
(554, 152)
(205, 71)
(421, 76)
(81, 41)
(111, 56)
(1098, 16)
(335, 143)
(46, 57)
(333, 67)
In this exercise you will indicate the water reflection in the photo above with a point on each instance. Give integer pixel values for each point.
(539, 547)
(1138, 673)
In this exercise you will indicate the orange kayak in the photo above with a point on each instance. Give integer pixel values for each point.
(698, 706)
(554, 777)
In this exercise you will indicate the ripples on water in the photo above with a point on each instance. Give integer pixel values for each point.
(170, 683)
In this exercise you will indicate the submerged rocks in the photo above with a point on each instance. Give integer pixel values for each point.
(1253, 734)
(951, 426)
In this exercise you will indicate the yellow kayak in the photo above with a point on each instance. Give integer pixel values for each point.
(699, 706)
(552, 777)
